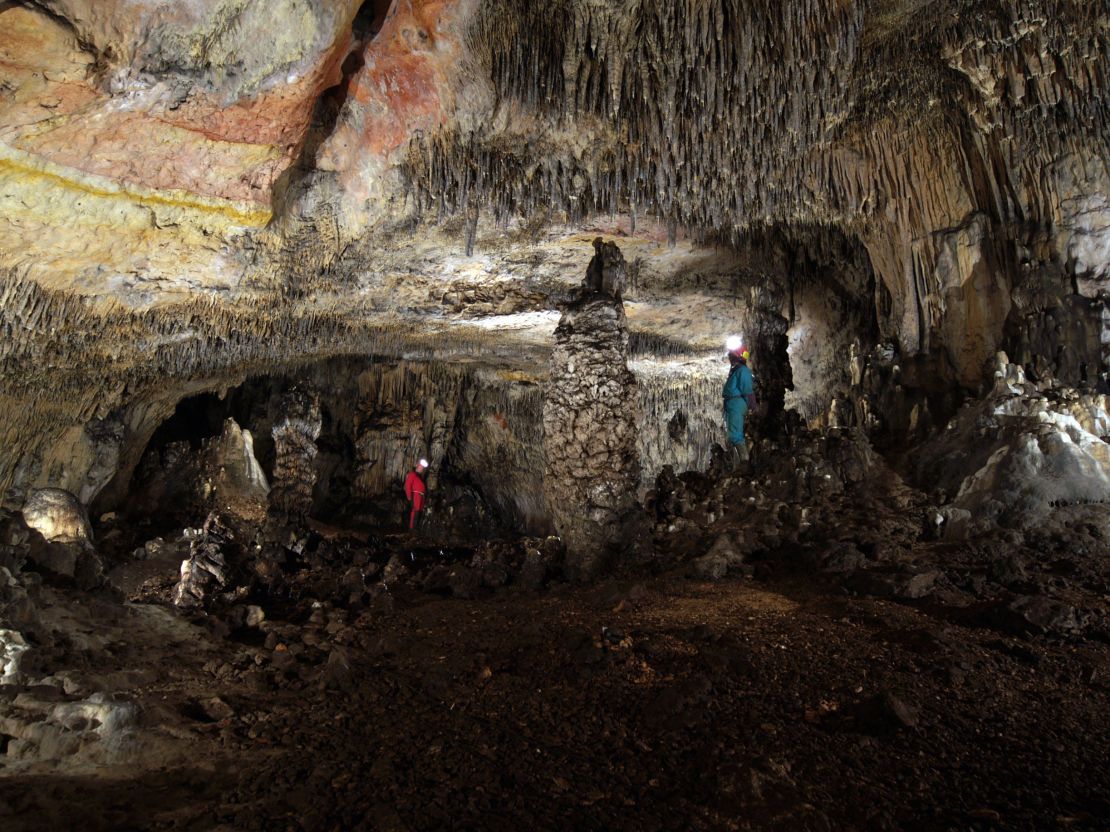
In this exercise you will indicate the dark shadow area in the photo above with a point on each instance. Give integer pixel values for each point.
(195, 419)
(377, 419)
(370, 18)
(104, 803)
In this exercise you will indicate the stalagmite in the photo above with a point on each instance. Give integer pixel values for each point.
(589, 417)
(295, 449)
(205, 570)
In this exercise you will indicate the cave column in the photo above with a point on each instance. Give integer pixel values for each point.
(295, 435)
(592, 468)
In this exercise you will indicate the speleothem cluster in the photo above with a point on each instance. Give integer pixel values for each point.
(876, 195)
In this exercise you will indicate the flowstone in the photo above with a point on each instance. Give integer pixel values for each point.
(1021, 451)
(57, 515)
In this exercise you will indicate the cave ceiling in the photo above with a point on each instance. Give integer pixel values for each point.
(189, 190)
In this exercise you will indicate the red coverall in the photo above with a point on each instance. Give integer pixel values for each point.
(414, 493)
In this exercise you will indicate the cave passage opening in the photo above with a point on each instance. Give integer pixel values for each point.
(377, 418)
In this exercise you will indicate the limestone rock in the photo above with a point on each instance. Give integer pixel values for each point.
(607, 273)
(205, 570)
(1046, 454)
(12, 648)
(237, 472)
(58, 516)
(724, 555)
(64, 541)
(295, 447)
(590, 430)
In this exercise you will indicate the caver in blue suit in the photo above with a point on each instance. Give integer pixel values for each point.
(738, 393)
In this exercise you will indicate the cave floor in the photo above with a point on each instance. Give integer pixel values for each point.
(661, 704)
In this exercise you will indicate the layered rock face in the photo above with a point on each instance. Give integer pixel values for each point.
(590, 423)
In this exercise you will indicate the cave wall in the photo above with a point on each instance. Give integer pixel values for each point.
(478, 428)
(499, 447)
(186, 200)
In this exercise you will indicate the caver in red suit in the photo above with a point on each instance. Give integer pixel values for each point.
(415, 491)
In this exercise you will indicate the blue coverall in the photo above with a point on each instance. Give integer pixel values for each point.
(737, 390)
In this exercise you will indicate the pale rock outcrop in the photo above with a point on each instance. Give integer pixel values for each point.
(237, 473)
(1031, 450)
(97, 729)
(65, 542)
(58, 516)
(12, 648)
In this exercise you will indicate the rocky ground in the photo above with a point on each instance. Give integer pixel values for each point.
(814, 641)
(659, 704)
(796, 648)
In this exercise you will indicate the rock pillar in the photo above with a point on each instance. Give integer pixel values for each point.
(592, 469)
(295, 435)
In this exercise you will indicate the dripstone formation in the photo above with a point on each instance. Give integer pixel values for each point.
(589, 418)
(306, 243)
(295, 456)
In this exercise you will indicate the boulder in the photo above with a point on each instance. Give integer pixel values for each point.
(337, 673)
(1041, 615)
(61, 542)
(724, 555)
(12, 648)
(901, 585)
(58, 516)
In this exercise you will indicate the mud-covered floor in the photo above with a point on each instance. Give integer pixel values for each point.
(659, 704)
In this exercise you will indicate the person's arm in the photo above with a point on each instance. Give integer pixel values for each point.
(732, 385)
(408, 487)
(747, 388)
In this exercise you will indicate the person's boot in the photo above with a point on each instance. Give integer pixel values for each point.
(739, 457)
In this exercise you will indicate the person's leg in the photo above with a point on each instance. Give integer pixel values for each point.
(738, 455)
(737, 445)
(734, 419)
